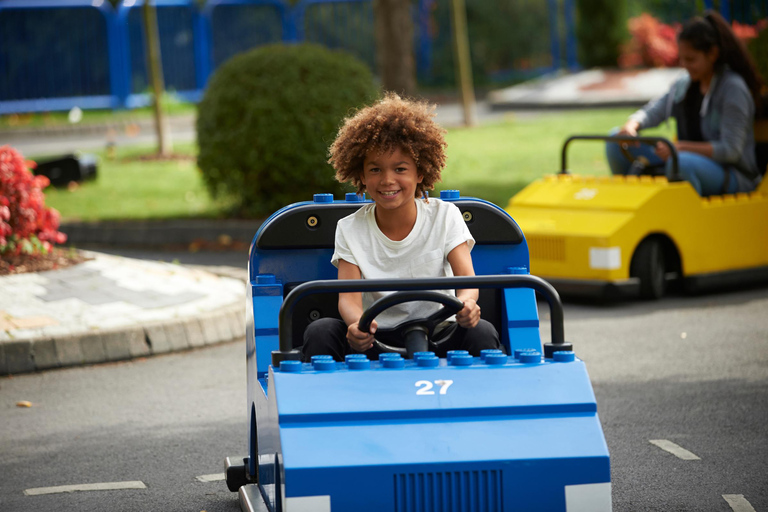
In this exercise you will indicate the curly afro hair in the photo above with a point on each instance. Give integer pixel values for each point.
(388, 124)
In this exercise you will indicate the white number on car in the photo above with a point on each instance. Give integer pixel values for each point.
(425, 387)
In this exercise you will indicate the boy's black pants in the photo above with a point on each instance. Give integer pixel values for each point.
(329, 336)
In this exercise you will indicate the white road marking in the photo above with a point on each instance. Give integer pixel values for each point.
(676, 450)
(215, 477)
(738, 503)
(104, 486)
(588, 497)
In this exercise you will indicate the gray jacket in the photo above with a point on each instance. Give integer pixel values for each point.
(727, 119)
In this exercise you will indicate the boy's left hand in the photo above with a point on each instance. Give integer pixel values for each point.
(469, 315)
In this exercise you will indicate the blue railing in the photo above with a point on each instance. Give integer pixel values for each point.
(178, 27)
(743, 11)
(338, 24)
(56, 54)
(234, 26)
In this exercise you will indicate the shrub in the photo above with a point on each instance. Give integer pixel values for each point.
(499, 55)
(267, 119)
(600, 31)
(26, 225)
(758, 47)
(653, 44)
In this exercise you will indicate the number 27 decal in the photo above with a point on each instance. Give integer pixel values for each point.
(425, 387)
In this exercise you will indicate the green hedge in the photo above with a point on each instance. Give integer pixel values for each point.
(601, 28)
(267, 119)
(758, 47)
(508, 40)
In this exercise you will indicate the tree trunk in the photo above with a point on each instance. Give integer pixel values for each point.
(393, 23)
(463, 61)
(155, 76)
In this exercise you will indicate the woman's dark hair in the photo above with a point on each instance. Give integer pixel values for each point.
(712, 30)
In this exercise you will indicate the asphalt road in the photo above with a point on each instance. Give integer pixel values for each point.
(690, 370)
(94, 138)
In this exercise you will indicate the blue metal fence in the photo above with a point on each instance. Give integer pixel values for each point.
(56, 54)
(234, 26)
(338, 24)
(744, 11)
(178, 27)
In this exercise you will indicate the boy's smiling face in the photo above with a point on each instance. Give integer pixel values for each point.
(390, 178)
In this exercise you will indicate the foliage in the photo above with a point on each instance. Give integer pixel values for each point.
(26, 225)
(267, 119)
(757, 42)
(600, 31)
(666, 11)
(653, 44)
(498, 53)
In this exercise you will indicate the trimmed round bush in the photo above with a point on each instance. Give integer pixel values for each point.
(267, 119)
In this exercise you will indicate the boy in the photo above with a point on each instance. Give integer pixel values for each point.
(394, 151)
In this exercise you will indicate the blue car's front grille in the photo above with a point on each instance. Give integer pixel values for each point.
(461, 491)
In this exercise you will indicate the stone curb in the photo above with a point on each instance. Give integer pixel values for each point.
(174, 335)
(220, 326)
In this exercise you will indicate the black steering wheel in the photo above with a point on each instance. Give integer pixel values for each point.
(416, 334)
(640, 165)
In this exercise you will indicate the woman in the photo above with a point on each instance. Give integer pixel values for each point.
(714, 106)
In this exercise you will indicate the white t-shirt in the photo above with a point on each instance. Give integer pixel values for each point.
(439, 229)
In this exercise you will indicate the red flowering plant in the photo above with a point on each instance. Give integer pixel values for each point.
(27, 227)
(653, 43)
(746, 32)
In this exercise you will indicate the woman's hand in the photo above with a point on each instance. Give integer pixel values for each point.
(662, 150)
(629, 129)
(359, 340)
(469, 315)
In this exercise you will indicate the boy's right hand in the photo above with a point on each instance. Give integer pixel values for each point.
(359, 340)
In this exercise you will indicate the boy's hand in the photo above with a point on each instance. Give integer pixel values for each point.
(469, 315)
(359, 340)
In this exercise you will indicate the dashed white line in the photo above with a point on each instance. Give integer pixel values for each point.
(676, 450)
(104, 486)
(215, 477)
(738, 503)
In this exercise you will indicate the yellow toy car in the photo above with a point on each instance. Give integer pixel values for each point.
(630, 235)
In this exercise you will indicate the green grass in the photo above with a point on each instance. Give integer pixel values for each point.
(130, 188)
(492, 161)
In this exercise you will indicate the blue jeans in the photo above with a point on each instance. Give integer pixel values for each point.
(329, 336)
(704, 174)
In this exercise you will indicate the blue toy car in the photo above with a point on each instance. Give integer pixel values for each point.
(414, 433)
